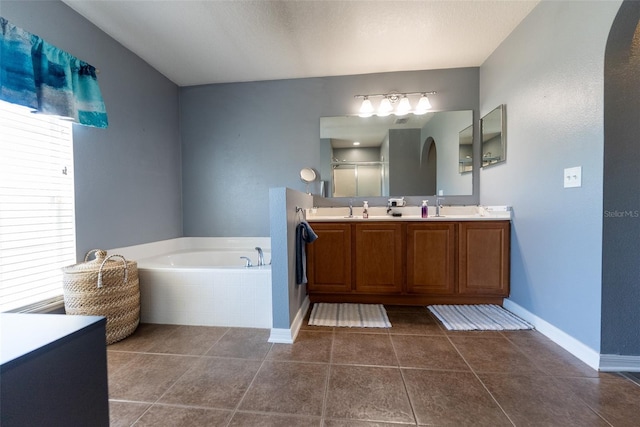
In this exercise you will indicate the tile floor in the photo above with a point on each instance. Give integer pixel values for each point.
(415, 373)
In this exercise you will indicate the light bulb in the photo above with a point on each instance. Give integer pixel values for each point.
(385, 107)
(366, 109)
(403, 107)
(423, 105)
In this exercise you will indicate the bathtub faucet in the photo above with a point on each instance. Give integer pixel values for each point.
(260, 255)
(248, 260)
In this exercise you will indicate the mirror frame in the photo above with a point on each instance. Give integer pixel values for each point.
(488, 159)
(308, 175)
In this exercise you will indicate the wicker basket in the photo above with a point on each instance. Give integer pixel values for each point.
(105, 287)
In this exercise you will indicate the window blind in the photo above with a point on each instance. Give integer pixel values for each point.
(37, 218)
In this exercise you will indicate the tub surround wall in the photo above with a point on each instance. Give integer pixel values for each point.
(234, 297)
(552, 83)
(130, 172)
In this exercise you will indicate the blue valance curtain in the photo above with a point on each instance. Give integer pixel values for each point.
(35, 74)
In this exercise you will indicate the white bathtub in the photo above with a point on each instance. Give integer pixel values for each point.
(203, 281)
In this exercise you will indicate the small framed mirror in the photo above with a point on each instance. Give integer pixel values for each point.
(493, 137)
(465, 150)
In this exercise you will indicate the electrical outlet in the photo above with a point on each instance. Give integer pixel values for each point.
(573, 177)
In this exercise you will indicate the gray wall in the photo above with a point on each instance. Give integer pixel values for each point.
(449, 179)
(407, 176)
(620, 259)
(240, 139)
(127, 177)
(549, 73)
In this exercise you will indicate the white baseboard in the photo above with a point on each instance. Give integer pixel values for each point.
(564, 340)
(281, 336)
(288, 336)
(618, 363)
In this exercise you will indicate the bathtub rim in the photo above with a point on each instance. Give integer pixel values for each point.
(150, 263)
(164, 247)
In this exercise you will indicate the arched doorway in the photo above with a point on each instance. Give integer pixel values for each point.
(429, 165)
(621, 198)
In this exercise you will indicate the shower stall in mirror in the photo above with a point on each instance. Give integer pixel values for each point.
(354, 179)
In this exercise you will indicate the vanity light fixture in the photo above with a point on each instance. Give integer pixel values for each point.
(388, 101)
(356, 142)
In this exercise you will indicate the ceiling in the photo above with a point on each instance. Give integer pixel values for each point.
(202, 42)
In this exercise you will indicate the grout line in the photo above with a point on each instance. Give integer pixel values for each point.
(237, 407)
(404, 382)
(626, 375)
(584, 402)
(481, 382)
(323, 411)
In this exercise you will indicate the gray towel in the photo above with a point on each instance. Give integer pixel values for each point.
(304, 235)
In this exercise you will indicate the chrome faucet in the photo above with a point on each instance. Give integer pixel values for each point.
(350, 208)
(260, 255)
(248, 264)
(438, 205)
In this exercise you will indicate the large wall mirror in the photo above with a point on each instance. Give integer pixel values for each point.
(395, 156)
(494, 137)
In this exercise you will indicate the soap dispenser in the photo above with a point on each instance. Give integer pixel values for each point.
(365, 210)
(425, 209)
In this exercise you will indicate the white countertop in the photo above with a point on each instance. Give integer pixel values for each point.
(411, 213)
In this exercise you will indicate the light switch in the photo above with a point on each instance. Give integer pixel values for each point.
(573, 177)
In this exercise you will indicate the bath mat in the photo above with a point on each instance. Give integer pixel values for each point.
(483, 317)
(349, 315)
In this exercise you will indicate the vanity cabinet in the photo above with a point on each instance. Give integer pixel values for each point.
(378, 257)
(431, 258)
(483, 252)
(409, 262)
(329, 258)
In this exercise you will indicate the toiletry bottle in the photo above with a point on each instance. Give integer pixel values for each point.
(425, 209)
(365, 210)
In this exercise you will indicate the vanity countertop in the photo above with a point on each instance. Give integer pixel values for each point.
(411, 213)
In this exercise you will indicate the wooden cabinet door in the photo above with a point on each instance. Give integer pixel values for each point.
(379, 258)
(484, 258)
(431, 254)
(329, 258)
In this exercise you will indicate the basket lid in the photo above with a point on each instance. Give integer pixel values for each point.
(94, 264)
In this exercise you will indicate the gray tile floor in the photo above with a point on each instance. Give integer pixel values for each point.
(415, 373)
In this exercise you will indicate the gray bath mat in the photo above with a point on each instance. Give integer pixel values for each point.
(483, 317)
(349, 315)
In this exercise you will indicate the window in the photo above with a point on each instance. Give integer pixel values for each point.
(37, 220)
